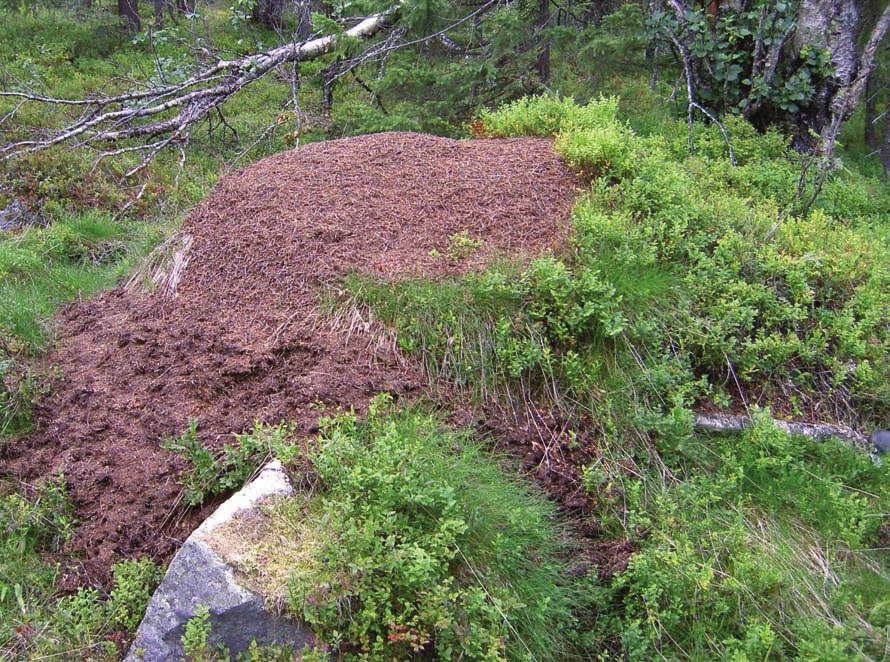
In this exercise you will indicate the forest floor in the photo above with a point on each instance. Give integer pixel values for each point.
(240, 338)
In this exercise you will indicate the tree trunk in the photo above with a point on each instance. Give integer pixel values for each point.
(328, 76)
(543, 62)
(268, 13)
(871, 112)
(885, 146)
(833, 25)
(128, 10)
(159, 12)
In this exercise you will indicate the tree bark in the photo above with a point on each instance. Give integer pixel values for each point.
(269, 13)
(846, 97)
(128, 10)
(870, 134)
(818, 431)
(832, 25)
(885, 145)
(835, 25)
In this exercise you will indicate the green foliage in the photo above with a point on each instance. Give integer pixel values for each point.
(767, 301)
(210, 474)
(548, 115)
(729, 75)
(687, 280)
(197, 647)
(427, 548)
(757, 549)
(42, 267)
(19, 392)
(195, 637)
(461, 245)
(134, 582)
(35, 621)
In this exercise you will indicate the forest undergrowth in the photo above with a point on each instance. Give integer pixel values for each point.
(693, 284)
(688, 284)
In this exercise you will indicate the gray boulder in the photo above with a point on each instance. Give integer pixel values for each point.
(880, 439)
(199, 577)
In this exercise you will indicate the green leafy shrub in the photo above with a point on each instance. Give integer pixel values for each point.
(769, 300)
(425, 547)
(757, 549)
(36, 621)
(690, 281)
(210, 474)
(134, 582)
(548, 115)
(728, 77)
(196, 646)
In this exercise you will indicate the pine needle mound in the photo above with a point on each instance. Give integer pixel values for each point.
(241, 339)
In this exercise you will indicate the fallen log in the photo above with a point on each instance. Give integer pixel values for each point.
(818, 431)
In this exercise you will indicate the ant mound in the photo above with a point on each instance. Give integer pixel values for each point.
(231, 335)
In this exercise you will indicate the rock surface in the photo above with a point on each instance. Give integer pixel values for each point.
(198, 576)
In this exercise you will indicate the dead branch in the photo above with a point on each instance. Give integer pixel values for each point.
(146, 114)
(818, 431)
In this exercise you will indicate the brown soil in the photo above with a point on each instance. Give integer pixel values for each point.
(240, 341)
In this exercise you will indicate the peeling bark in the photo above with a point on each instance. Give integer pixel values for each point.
(832, 25)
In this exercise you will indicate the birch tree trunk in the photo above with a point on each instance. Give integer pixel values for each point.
(832, 25)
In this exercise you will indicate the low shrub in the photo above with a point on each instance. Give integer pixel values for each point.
(691, 282)
(36, 620)
(769, 298)
(758, 547)
(425, 548)
(212, 473)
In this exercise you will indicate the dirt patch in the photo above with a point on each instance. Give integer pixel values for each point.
(240, 341)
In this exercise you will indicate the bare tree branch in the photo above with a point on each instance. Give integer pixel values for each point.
(818, 431)
(144, 114)
(689, 73)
